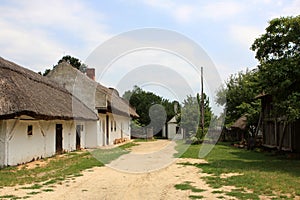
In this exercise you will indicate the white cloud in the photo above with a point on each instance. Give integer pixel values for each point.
(188, 12)
(38, 33)
(292, 9)
(245, 35)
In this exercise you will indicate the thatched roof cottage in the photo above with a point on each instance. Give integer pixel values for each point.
(37, 116)
(113, 111)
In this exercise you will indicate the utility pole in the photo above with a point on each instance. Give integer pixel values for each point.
(202, 103)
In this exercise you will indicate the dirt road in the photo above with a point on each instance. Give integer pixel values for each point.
(130, 177)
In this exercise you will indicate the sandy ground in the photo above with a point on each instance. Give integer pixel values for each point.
(148, 172)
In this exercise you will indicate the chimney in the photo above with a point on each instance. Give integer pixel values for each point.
(90, 72)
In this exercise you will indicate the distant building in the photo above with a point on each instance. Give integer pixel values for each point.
(172, 130)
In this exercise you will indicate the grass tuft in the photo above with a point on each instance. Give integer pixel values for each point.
(187, 186)
(196, 197)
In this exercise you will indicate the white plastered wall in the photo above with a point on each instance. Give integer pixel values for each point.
(2, 142)
(93, 134)
(120, 128)
(20, 147)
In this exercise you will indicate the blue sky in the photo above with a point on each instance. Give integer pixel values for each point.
(36, 34)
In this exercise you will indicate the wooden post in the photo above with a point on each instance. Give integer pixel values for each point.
(202, 103)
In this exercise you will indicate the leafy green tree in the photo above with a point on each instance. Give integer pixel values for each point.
(278, 53)
(190, 115)
(75, 62)
(152, 109)
(238, 97)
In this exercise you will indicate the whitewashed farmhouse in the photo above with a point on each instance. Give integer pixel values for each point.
(114, 112)
(172, 130)
(37, 117)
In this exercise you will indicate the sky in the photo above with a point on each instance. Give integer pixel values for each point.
(36, 34)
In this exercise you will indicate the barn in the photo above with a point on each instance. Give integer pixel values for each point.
(277, 132)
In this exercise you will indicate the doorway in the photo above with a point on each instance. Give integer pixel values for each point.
(59, 138)
(78, 136)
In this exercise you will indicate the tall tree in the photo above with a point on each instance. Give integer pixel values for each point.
(150, 107)
(238, 97)
(190, 115)
(278, 53)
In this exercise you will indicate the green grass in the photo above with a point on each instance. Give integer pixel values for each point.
(33, 193)
(57, 169)
(105, 156)
(33, 187)
(263, 173)
(9, 197)
(50, 182)
(187, 186)
(48, 190)
(196, 197)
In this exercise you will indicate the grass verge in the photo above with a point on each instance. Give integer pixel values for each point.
(262, 173)
(56, 169)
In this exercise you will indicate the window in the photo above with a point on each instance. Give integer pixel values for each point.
(29, 130)
(111, 125)
(115, 126)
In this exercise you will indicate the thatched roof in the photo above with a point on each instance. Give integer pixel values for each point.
(95, 95)
(241, 123)
(24, 92)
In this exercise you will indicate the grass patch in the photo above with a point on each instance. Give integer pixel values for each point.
(196, 197)
(127, 145)
(57, 169)
(105, 156)
(263, 173)
(242, 195)
(48, 190)
(187, 186)
(33, 187)
(217, 192)
(50, 182)
(9, 197)
(33, 193)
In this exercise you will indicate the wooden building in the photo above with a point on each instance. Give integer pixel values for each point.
(277, 133)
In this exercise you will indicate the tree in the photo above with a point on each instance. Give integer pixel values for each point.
(278, 53)
(190, 116)
(152, 109)
(238, 97)
(75, 62)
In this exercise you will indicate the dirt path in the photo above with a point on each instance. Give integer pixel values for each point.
(109, 183)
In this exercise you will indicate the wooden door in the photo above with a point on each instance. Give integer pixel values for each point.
(59, 138)
(78, 136)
